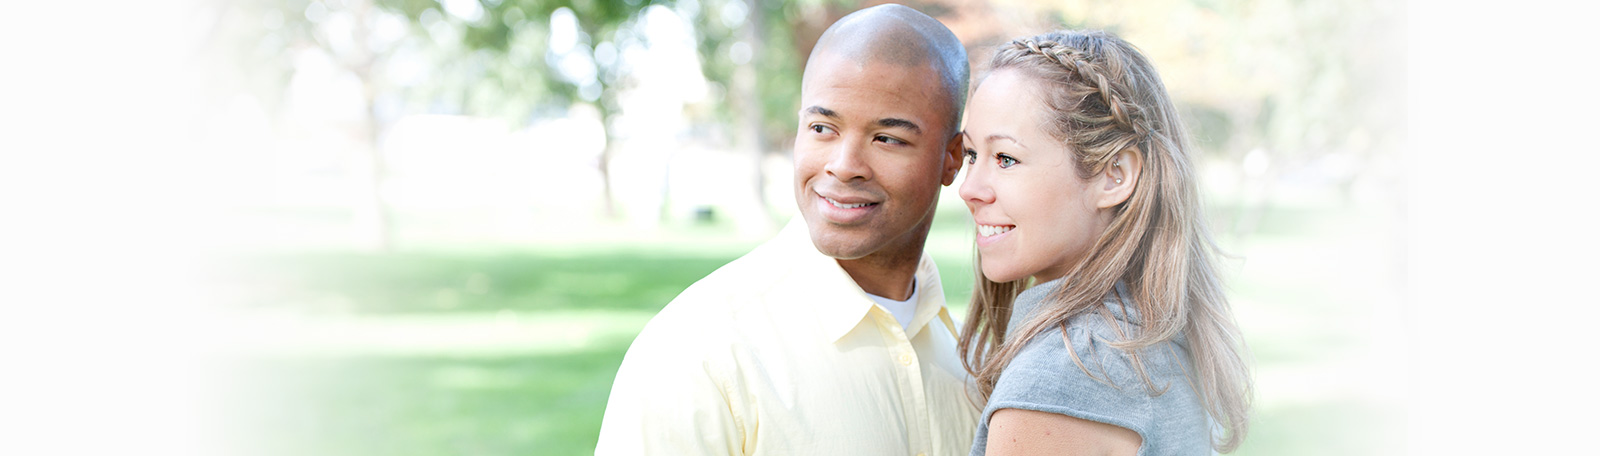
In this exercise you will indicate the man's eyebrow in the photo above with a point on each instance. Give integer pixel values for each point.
(824, 112)
(900, 123)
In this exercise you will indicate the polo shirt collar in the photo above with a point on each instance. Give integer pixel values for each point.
(841, 304)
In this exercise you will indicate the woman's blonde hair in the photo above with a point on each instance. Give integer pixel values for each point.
(1104, 98)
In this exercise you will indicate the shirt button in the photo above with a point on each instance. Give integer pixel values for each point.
(905, 358)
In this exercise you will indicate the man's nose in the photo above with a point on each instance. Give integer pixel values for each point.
(848, 162)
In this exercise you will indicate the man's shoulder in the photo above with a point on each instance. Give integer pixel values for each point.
(713, 304)
(735, 283)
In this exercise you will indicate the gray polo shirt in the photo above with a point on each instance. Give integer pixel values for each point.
(1044, 378)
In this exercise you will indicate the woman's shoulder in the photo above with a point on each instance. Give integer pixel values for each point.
(1084, 355)
(1079, 354)
(1077, 370)
(1069, 373)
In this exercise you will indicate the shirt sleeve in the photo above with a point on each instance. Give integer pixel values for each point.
(671, 398)
(1043, 377)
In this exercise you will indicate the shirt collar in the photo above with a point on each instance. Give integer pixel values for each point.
(841, 304)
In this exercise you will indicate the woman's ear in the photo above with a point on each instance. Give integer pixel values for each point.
(1120, 178)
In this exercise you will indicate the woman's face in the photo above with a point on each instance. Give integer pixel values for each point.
(1035, 216)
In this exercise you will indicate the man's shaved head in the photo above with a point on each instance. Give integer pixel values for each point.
(902, 36)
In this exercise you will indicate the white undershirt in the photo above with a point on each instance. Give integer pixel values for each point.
(902, 310)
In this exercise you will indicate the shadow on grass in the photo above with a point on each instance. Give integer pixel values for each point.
(394, 406)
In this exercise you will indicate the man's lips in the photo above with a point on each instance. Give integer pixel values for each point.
(847, 204)
(848, 199)
(846, 209)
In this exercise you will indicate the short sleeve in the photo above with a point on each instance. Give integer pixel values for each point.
(1043, 377)
(671, 397)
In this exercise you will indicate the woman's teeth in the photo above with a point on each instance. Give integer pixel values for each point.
(846, 206)
(991, 230)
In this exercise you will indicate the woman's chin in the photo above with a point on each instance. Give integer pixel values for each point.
(1000, 275)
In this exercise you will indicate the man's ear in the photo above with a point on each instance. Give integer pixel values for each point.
(1120, 178)
(953, 157)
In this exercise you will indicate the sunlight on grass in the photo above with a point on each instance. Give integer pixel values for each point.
(504, 333)
(547, 403)
(513, 350)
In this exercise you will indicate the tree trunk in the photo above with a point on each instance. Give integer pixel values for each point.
(372, 212)
(752, 218)
(372, 220)
(605, 156)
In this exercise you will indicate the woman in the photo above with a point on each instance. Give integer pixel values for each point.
(1080, 183)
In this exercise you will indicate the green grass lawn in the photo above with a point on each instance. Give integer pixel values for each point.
(513, 352)
(423, 405)
(412, 283)
(358, 393)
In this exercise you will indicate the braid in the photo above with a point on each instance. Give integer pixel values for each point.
(1088, 70)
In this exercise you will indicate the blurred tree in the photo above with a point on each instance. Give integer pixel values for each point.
(497, 58)
(753, 54)
(1285, 82)
(514, 32)
(735, 38)
(262, 44)
(1272, 87)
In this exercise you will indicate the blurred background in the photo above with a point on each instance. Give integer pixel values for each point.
(433, 227)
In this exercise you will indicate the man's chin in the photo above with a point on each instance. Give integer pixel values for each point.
(841, 244)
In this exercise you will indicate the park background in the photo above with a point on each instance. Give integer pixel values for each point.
(360, 227)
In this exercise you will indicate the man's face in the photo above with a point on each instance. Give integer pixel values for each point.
(873, 148)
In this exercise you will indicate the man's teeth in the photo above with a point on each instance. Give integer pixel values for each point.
(991, 230)
(845, 206)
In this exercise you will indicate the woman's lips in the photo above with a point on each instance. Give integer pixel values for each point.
(989, 234)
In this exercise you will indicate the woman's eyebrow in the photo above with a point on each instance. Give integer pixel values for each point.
(998, 136)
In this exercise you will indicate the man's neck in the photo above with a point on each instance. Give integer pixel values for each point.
(889, 276)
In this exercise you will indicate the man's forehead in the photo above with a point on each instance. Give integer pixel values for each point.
(847, 100)
(876, 105)
(840, 72)
(832, 64)
(910, 50)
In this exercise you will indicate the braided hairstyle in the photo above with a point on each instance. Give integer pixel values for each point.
(1105, 98)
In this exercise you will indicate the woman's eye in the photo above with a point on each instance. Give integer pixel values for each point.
(971, 156)
(890, 140)
(1006, 161)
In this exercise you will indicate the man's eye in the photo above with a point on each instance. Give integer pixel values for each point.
(1006, 161)
(820, 128)
(890, 140)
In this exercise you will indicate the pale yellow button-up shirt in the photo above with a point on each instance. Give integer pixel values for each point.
(780, 352)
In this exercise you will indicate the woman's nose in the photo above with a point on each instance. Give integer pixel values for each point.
(975, 187)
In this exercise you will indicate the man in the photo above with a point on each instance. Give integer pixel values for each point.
(833, 337)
